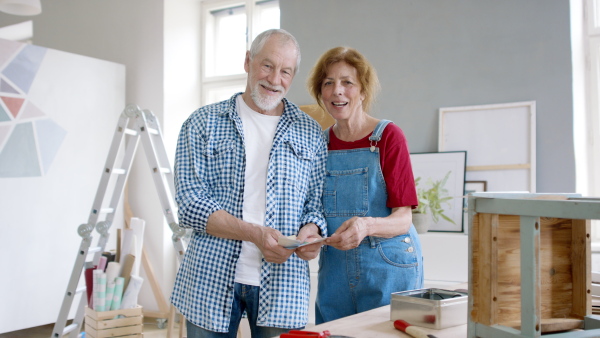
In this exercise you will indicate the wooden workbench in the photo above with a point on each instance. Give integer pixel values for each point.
(376, 323)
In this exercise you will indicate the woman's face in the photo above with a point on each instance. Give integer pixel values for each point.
(341, 91)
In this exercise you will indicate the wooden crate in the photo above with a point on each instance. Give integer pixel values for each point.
(529, 265)
(107, 324)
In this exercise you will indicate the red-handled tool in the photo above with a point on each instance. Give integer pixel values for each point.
(304, 334)
(411, 330)
(308, 334)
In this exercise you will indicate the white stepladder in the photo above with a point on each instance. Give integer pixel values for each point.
(133, 124)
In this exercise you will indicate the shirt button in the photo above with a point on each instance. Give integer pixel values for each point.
(410, 249)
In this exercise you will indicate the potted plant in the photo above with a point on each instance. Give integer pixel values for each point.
(431, 201)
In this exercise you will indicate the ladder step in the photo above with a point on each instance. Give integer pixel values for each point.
(162, 170)
(119, 171)
(153, 131)
(94, 249)
(80, 290)
(107, 210)
(70, 328)
(130, 132)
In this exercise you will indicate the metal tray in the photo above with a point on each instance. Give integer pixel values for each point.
(432, 308)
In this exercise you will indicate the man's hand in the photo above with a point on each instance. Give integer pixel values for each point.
(267, 244)
(309, 233)
(222, 224)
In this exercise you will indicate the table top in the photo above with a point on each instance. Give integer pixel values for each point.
(376, 323)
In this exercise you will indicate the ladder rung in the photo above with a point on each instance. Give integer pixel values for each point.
(70, 328)
(119, 171)
(153, 131)
(94, 249)
(162, 170)
(80, 289)
(130, 132)
(107, 210)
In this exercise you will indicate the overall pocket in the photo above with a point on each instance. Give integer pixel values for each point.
(346, 192)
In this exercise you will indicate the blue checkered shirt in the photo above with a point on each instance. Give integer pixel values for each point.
(209, 171)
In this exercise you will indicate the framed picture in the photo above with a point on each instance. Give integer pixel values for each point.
(429, 168)
(500, 140)
(475, 186)
(471, 187)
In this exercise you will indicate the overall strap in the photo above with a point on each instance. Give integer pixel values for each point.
(376, 136)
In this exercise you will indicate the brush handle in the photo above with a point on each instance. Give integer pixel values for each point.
(411, 330)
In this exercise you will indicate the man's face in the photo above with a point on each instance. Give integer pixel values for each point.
(270, 72)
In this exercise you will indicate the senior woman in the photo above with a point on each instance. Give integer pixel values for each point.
(369, 194)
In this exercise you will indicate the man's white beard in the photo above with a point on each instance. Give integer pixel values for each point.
(266, 102)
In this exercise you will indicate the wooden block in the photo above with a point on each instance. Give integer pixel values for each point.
(116, 323)
(114, 332)
(565, 272)
(136, 311)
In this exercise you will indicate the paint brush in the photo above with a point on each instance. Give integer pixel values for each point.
(411, 330)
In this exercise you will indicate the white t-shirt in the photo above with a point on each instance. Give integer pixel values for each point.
(259, 131)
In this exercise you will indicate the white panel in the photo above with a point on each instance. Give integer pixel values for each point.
(499, 140)
(40, 215)
(445, 257)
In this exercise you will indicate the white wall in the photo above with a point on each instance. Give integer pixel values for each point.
(161, 75)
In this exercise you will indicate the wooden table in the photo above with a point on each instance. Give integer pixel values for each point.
(376, 323)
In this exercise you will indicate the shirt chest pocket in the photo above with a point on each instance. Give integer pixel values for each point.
(346, 192)
(219, 156)
(298, 159)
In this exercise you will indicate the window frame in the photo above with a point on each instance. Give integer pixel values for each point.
(587, 113)
(211, 82)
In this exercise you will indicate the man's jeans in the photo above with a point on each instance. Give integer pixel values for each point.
(245, 298)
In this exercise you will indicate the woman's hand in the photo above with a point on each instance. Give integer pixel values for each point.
(350, 233)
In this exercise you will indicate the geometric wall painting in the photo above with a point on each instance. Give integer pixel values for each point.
(6, 87)
(19, 157)
(13, 104)
(49, 138)
(3, 114)
(23, 67)
(30, 111)
(4, 130)
(8, 49)
(29, 139)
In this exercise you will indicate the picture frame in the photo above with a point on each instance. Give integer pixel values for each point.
(500, 140)
(471, 187)
(431, 167)
(475, 186)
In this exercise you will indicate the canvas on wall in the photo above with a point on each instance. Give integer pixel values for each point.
(500, 140)
(58, 112)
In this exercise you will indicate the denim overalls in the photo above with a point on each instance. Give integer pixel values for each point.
(363, 278)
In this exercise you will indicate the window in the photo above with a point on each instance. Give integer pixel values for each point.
(229, 27)
(586, 97)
